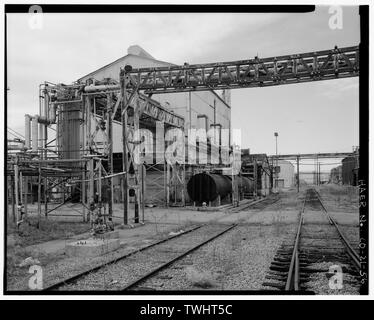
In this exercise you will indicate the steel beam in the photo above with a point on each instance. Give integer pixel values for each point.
(313, 155)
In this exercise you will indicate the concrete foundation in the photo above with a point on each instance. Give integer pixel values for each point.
(91, 247)
(108, 235)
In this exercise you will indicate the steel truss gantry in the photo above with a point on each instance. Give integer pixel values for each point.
(257, 72)
(311, 156)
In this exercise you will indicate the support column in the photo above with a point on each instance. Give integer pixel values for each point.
(13, 191)
(124, 148)
(83, 153)
(21, 197)
(319, 173)
(39, 194)
(16, 187)
(99, 189)
(255, 178)
(46, 197)
(26, 194)
(83, 194)
(110, 156)
(88, 117)
(167, 184)
(183, 181)
(136, 158)
(92, 189)
(143, 191)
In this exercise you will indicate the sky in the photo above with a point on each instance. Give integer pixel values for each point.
(309, 117)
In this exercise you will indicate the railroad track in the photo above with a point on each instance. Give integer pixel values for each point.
(259, 204)
(131, 270)
(318, 243)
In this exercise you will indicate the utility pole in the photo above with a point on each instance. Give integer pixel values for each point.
(319, 173)
(298, 174)
(255, 178)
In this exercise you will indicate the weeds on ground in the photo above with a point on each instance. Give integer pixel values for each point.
(16, 254)
(342, 196)
(28, 233)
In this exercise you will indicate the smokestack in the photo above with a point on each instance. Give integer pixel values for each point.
(35, 133)
(27, 131)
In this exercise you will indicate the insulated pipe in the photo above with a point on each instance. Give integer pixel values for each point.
(41, 135)
(35, 133)
(49, 113)
(45, 129)
(52, 114)
(27, 131)
(46, 102)
(101, 88)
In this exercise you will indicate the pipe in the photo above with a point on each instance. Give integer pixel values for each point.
(41, 135)
(35, 133)
(93, 88)
(52, 113)
(45, 137)
(27, 131)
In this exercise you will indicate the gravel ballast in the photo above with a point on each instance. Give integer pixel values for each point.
(239, 260)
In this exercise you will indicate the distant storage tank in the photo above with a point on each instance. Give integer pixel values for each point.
(205, 187)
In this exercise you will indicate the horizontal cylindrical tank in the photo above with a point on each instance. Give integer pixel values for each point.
(205, 187)
(244, 184)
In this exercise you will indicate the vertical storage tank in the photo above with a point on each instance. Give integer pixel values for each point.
(69, 121)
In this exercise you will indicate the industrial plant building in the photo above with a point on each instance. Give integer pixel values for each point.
(285, 174)
(350, 166)
(257, 168)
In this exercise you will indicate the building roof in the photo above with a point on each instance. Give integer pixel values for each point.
(284, 162)
(130, 52)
